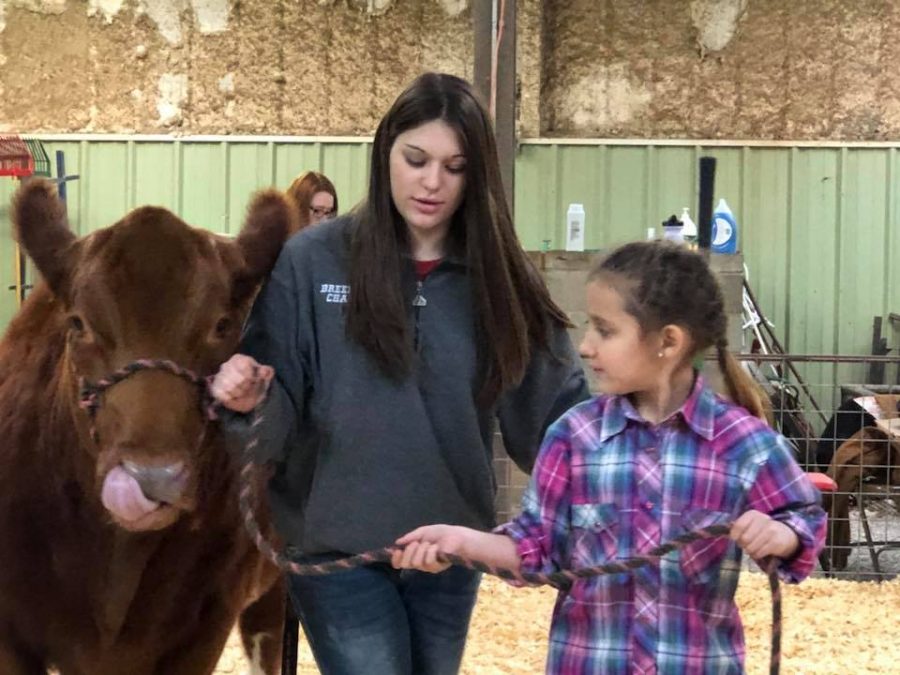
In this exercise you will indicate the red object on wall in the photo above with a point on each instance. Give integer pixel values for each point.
(15, 159)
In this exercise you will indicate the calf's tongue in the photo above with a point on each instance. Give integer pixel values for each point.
(123, 497)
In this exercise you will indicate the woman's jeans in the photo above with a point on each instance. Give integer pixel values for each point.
(376, 620)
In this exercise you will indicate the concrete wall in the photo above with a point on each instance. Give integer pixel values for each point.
(310, 67)
(806, 69)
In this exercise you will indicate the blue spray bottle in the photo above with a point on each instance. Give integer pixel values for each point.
(724, 229)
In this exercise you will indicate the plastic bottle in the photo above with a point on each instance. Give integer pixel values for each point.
(724, 229)
(575, 227)
(672, 230)
(688, 226)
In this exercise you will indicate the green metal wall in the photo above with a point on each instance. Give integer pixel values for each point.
(818, 225)
(207, 182)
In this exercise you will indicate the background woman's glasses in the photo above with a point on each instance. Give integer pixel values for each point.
(321, 212)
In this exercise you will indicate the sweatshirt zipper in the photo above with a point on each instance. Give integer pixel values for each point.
(418, 302)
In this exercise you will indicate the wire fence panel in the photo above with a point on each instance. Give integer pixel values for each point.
(840, 425)
(843, 424)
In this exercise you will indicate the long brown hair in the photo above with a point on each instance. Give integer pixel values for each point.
(302, 190)
(663, 283)
(513, 309)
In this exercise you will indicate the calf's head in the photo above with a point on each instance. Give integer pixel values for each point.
(148, 287)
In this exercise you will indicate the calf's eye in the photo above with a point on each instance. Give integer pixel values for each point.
(223, 326)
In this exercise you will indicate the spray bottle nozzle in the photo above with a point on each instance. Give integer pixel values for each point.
(672, 230)
(672, 222)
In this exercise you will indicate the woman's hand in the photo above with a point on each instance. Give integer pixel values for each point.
(760, 535)
(241, 383)
(422, 546)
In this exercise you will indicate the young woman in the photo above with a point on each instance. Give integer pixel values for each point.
(389, 340)
(315, 198)
(656, 455)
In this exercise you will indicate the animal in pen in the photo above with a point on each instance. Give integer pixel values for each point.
(866, 468)
(121, 549)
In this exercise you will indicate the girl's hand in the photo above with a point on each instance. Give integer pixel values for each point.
(422, 546)
(760, 536)
(241, 383)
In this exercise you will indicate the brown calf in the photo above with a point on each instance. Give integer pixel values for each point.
(126, 555)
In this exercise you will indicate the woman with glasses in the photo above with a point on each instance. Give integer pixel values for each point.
(315, 197)
(382, 349)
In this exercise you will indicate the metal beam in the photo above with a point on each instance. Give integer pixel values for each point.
(483, 15)
(482, 24)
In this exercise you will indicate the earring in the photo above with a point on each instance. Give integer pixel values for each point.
(660, 354)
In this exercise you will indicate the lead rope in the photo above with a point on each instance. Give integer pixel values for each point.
(561, 580)
(89, 400)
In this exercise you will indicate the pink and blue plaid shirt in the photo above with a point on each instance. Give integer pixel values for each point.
(607, 485)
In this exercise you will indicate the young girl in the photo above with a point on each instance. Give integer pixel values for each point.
(396, 335)
(656, 455)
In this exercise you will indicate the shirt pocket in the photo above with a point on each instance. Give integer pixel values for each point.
(701, 560)
(595, 529)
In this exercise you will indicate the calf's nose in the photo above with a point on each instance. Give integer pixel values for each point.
(158, 483)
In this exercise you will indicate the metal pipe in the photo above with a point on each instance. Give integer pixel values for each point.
(705, 210)
(817, 358)
(287, 139)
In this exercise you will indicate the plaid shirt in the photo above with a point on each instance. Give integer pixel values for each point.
(607, 484)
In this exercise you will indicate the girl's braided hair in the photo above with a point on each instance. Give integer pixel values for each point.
(662, 283)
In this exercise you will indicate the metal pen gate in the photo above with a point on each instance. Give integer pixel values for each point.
(843, 425)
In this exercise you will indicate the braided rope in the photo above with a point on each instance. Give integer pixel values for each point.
(89, 400)
(89, 392)
(561, 580)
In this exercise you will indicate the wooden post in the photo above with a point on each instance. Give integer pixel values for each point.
(482, 28)
(505, 85)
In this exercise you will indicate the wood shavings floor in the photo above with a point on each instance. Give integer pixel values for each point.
(830, 628)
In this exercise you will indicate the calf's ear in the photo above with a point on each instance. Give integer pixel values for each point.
(39, 221)
(269, 219)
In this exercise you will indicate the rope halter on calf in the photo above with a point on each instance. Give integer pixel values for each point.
(89, 393)
(89, 400)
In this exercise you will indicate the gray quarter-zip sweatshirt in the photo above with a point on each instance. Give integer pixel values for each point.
(361, 459)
